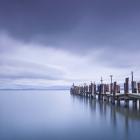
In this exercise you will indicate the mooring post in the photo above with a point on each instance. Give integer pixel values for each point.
(118, 89)
(139, 104)
(91, 90)
(114, 92)
(132, 82)
(100, 90)
(86, 90)
(135, 87)
(94, 90)
(111, 84)
(138, 87)
(126, 91)
(101, 93)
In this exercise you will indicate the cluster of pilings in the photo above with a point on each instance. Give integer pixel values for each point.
(110, 92)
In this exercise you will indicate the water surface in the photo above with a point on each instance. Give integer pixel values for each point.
(57, 115)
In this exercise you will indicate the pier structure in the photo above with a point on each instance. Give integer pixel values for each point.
(111, 92)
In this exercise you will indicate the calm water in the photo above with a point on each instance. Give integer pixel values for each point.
(27, 115)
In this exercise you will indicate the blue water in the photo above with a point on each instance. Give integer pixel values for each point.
(57, 115)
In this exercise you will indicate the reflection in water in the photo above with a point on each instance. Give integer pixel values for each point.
(57, 115)
(105, 108)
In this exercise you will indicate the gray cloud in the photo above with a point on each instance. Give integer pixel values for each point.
(101, 35)
(75, 24)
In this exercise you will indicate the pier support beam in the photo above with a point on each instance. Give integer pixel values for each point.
(118, 102)
(135, 103)
(126, 103)
(101, 97)
(94, 96)
(105, 98)
(113, 100)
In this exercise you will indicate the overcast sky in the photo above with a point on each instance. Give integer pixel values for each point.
(57, 42)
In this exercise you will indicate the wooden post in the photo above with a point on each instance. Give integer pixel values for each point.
(126, 91)
(107, 87)
(126, 85)
(94, 88)
(111, 84)
(118, 89)
(89, 90)
(135, 87)
(139, 87)
(114, 92)
(86, 91)
(101, 96)
(100, 90)
(132, 82)
(139, 104)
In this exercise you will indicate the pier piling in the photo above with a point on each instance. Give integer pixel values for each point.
(110, 92)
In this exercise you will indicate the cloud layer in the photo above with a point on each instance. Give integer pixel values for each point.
(34, 65)
(51, 42)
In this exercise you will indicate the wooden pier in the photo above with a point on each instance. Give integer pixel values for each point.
(111, 92)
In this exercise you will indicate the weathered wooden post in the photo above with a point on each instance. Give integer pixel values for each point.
(72, 89)
(132, 82)
(94, 90)
(107, 87)
(139, 104)
(90, 89)
(126, 85)
(99, 90)
(138, 87)
(126, 91)
(114, 92)
(81, 90)
(84, 89)
(118, 89)
(101, 93)
(105, 90)
(135, 91)
(111, 84)
(87, 90)
(135, 87)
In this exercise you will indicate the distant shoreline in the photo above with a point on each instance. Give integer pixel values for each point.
(34, 89)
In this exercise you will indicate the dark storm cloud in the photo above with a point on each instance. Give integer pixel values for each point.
(74, 24)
